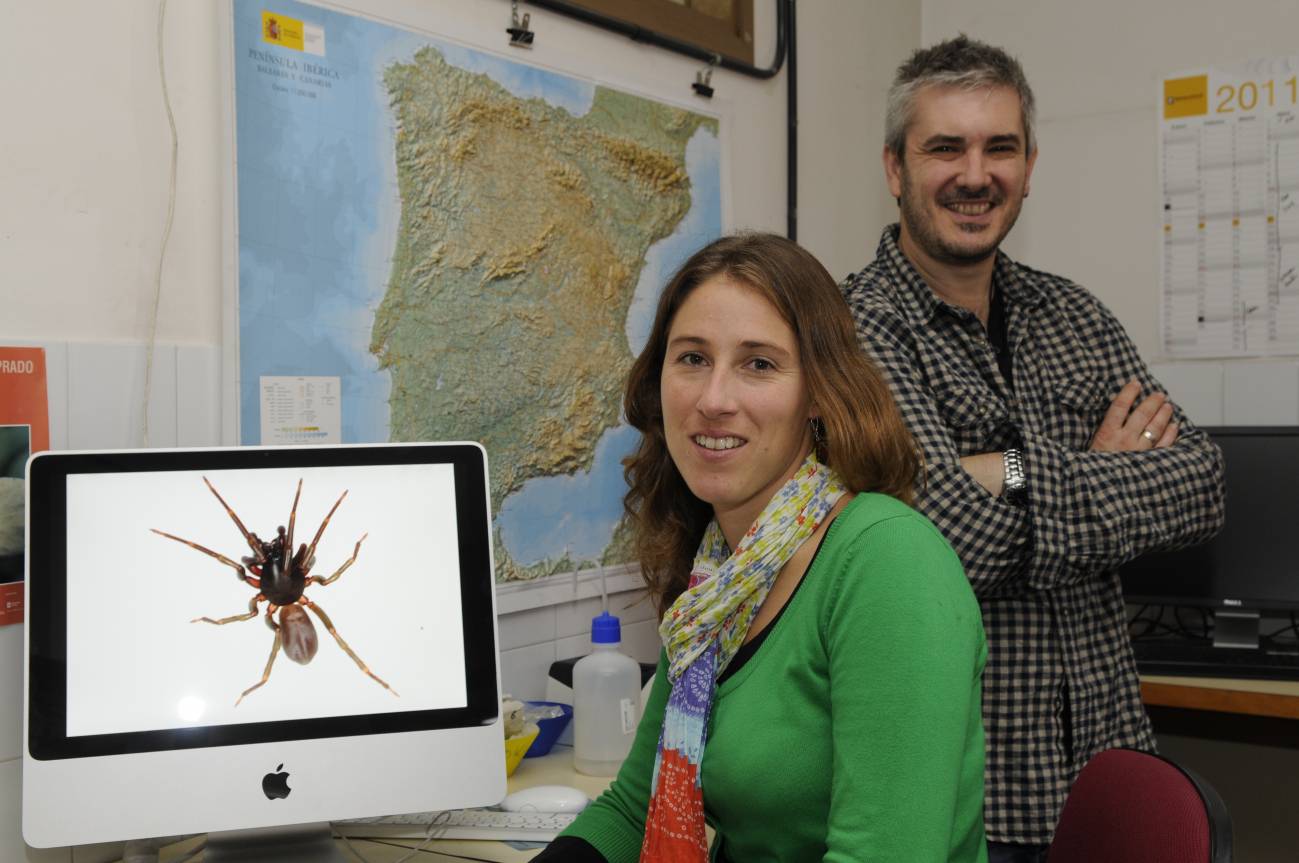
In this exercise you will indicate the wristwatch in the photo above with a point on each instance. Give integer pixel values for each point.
(1014, 484)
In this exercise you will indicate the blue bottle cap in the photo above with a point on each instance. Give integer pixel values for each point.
(606, 629)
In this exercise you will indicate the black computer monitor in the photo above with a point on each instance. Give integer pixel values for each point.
(1251, 568)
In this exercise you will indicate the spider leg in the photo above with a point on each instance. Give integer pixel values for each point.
(269, 619)
(351, 560)
(253, 543)
(293, 515)
(243, 575)
(266, 675)
(311, 550)
(252, 612)
(329, 625)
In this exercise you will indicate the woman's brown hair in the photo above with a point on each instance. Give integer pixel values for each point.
(865, 442)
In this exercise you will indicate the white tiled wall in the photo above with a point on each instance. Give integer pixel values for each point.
(542, 623)
(531, 640)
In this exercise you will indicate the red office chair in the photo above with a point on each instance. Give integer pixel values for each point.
(1135, 807)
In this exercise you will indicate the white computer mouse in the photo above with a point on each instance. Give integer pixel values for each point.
(546, 798)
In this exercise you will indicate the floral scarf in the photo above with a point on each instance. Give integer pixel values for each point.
(702, 631)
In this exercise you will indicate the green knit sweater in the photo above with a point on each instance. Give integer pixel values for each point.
(854, 731)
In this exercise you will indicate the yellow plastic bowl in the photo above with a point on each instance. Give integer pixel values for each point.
(517, 745)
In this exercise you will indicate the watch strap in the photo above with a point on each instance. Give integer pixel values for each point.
(1014, 486)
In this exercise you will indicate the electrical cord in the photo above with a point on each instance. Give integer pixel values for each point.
(151, 342)
(432, 833)
(193, 852)
(1182, 629)
(1147, 623)
(1139, 618)
(428, 837)
(1152, 625)
(147, 850)
(1274, 639)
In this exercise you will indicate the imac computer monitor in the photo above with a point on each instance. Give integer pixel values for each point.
(1252, 566)
(228, 639)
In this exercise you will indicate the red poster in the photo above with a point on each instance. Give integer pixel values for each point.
(24, 429)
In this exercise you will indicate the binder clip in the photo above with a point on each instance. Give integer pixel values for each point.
(520, 35)
(703, 85)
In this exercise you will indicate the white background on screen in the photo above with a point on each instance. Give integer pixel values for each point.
(136, 662)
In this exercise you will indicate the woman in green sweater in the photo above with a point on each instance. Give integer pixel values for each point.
(819, 634)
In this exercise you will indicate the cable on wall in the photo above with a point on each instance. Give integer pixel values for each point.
(151, 342)
(791, 126)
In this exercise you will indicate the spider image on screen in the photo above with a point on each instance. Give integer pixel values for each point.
(280, 576)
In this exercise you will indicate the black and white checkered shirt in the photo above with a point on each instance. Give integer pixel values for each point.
(1061, 684)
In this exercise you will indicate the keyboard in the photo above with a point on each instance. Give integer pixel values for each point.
(1196, 659)
(461, 824)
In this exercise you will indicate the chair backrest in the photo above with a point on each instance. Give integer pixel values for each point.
(1136, 807)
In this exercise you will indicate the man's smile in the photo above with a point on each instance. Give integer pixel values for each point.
(970, 208)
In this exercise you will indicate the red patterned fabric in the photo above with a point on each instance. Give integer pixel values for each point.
(674, 827)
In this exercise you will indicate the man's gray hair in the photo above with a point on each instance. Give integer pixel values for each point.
(961, 62)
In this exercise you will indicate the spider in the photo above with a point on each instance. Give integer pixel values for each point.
(280, 577)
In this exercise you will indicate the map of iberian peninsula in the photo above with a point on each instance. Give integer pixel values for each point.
(523, 233)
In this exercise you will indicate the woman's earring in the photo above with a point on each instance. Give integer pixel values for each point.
(818, 434)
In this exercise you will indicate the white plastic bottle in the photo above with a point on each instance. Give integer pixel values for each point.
(606, 701)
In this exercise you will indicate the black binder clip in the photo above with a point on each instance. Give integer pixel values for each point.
(520, 35)
(703, 85)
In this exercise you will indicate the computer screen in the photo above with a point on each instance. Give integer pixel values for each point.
(1252, 565)
(238, 638)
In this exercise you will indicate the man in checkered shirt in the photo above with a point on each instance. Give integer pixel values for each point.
(1052, 456)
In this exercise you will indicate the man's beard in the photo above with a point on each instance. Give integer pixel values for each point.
(925, 234)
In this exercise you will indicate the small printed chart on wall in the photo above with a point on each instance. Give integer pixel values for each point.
(1229, 234)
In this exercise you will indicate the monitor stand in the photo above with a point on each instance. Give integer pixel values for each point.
(1235, 629)
(297, 843)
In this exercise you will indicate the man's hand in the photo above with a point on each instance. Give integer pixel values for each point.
(1127, 429)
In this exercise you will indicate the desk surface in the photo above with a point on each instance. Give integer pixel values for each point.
(1275, 698)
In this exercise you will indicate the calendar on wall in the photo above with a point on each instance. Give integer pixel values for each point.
(1229, 186)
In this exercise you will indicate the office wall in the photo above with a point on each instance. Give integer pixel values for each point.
(83, 174)
(1095, 68)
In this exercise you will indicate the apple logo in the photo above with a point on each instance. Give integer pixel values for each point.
(276, 785)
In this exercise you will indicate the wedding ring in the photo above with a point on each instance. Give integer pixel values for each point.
(1148, 435)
